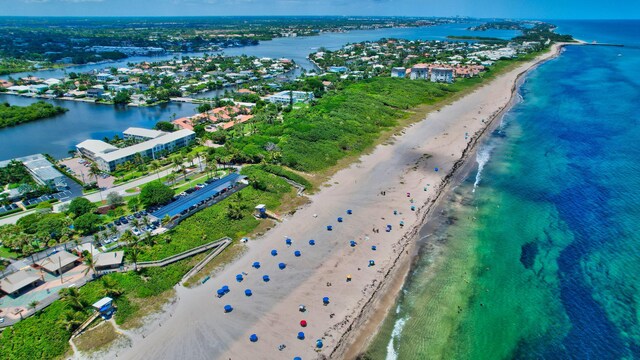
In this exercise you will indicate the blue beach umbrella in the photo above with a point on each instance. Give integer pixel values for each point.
(220, 293)
(288, 241)
(225, 289)
(339, 219)
(319, 344)
(435, 169)
(274, 252)
(239, 278)
(253, 338)
(297, 253)
(256, 265)
(372, 263)
(325, 300)
(312, 242)
(248, 292)
(373, 248)
(413, 208)
(301, 335)
(349, 212)
(282, 266)
(266, 278)
(228, 308)
(329, 227)
(297, 358)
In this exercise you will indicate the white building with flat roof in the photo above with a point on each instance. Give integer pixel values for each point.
(285, 97)
(141, 134)
(108, 157)
(442, 75)
(41, 170)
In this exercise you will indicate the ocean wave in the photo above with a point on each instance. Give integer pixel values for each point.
(482, 157)
(395, 334)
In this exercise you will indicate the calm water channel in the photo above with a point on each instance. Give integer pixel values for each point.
(57, 135)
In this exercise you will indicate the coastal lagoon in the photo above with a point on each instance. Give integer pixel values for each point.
(535, 254)
(57, 135)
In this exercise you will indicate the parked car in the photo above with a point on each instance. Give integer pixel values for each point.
(117, 222)
(136, 231)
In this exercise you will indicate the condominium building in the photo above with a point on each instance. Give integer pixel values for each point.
(156, 144)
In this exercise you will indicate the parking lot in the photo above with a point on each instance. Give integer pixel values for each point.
(80, 169)
(139, 223)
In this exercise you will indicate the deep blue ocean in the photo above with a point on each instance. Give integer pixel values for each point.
(541, 254)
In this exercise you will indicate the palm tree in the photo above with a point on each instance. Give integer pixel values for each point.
(71, 296)
(33, 304)
(91, 265)
(202, 156)
(71, 320)
(155, 165)
(111, 287)
(171, 178)
(95, 171)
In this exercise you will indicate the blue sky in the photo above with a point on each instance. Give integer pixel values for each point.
(541, 9)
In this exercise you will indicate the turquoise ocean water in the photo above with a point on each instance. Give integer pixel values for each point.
(537, 253)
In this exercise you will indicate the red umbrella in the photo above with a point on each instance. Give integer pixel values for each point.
(303, 323)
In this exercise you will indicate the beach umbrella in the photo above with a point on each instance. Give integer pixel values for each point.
(371, 262)
(329, 227)
(325, 300)
(248, 292)
(349, 212)
(228, 308)
(436, 169)
(253, 338)
(395, 212)
(221, 293)
(352, 243)
(373, 247)
(413, 208)
(339, 219)
(319, 344)
(282, 266)
(265, 278)
(300, 335)
(256, 265)
(288, 241)
(225, 289)
(297, 358)
(274, 252)
(408, 194)
(297, 253)
(303, 323)
(302, 308)
(239, 278)
(312, 242)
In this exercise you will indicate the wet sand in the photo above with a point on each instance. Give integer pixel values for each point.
(195, 326)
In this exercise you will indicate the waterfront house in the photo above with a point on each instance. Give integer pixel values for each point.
(419, 71)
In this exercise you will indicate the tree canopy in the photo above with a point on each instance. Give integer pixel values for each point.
(80, 206)
(155, 193)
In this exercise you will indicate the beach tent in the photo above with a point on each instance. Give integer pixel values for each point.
(253, 338)
(239, 278)
(282, 266)
(256, 265)
(265, 278)
(312, 242)
(339, 219)
(352, 243)
(329, 227)
(325, 300)
(221, 293)
(274, 252)
(248, 292)
(301, 335)
(373, 247)
(228, 308)
(225, 288)
(297, 253)
(349, 212)
(319, 344)
(303, 323)
(288, 241)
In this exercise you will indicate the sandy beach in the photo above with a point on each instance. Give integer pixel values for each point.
(412, 169)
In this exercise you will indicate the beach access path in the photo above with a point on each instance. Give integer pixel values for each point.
(196, 326)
